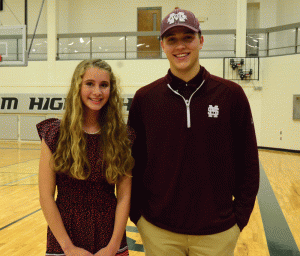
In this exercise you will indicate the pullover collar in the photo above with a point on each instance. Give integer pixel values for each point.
(186, 89)
(178, 84)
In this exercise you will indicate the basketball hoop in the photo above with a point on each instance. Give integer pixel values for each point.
(13, 54)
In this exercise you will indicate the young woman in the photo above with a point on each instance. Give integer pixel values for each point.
(85, 155)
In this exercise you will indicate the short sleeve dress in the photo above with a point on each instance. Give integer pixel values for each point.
(87, 207)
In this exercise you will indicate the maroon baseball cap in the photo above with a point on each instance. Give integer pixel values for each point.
(179, 17)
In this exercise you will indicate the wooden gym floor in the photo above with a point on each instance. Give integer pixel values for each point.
(23, 227)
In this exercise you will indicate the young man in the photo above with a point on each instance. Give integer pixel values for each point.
(197, 173)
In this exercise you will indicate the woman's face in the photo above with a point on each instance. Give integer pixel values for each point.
(95, 89)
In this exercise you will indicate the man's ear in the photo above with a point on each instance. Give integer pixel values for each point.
(201, 42)
(162, 44)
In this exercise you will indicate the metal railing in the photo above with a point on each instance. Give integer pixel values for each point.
(263, 42)
(274, 41)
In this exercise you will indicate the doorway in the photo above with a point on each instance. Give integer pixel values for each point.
(149, 18)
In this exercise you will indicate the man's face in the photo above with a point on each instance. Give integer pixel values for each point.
(181, 46)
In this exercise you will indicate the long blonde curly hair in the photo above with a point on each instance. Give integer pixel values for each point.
(70, 157)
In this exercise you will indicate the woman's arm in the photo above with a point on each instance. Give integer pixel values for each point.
(121, 217)
(47, 185)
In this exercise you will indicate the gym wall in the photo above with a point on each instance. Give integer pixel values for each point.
(279, 76)
(115, 16)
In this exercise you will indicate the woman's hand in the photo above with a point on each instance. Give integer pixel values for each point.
(107, 251)
(77, 251)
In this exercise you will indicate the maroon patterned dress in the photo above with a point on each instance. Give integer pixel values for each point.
(87, 207)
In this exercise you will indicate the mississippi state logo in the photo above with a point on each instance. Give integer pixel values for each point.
(213, 111)
(178, 16)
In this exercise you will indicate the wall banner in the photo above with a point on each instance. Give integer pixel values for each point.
(41, 103)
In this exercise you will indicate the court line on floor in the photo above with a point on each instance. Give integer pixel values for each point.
(17, 172)
(18, 180)
(279, 237)
(131, 242)
(8, 225)
(22, 148)
(128, 228)
(15, 185)
(19, 163)
(132, 229)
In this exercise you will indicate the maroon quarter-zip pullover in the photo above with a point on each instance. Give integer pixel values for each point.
(197, 169)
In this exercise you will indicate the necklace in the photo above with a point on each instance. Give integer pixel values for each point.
(91, 132)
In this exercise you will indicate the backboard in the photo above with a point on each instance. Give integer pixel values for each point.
(13, 46)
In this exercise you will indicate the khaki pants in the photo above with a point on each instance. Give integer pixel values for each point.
(160, 242)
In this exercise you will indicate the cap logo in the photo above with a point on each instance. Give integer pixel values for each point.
(177, 16)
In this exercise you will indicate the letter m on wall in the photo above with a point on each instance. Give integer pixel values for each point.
(11, 101)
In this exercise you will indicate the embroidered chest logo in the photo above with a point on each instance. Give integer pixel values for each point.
(213, 111)
(178, 16)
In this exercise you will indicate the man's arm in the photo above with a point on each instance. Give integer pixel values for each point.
(139, 153)
(247, 163)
